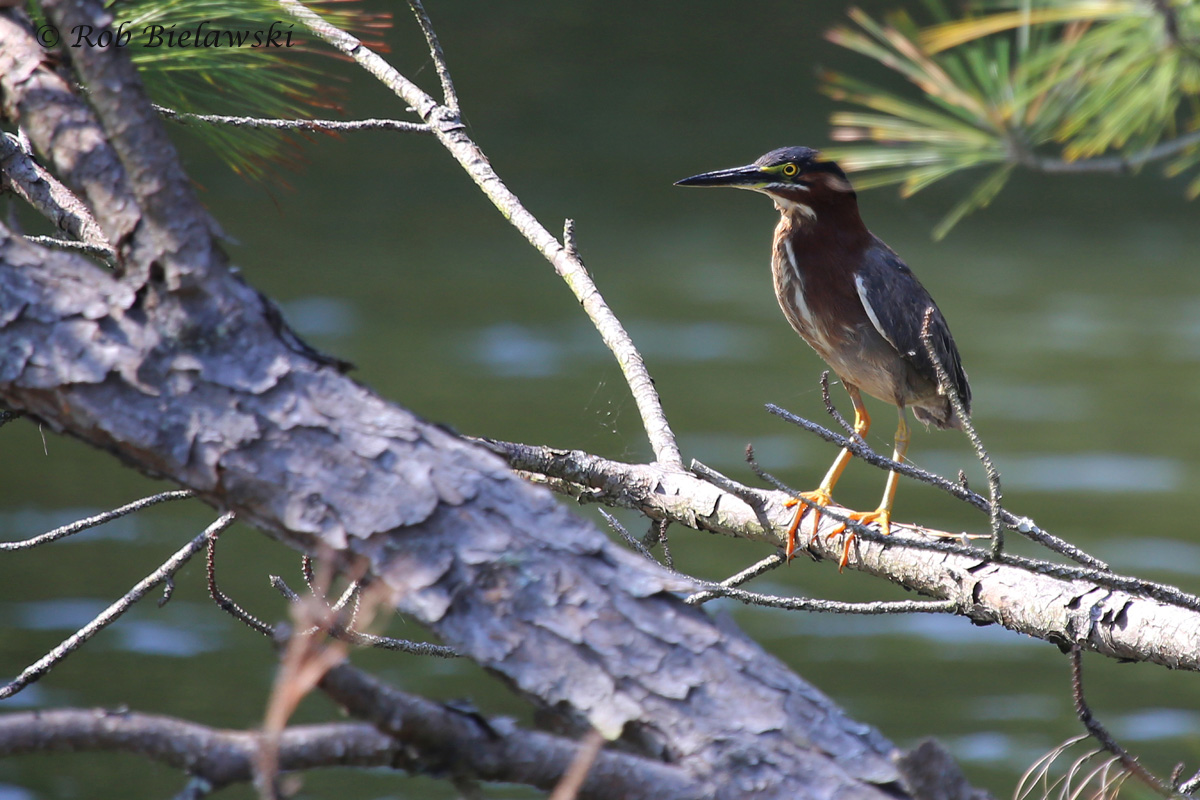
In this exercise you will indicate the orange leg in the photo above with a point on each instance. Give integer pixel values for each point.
(883, 514)
(823, 494)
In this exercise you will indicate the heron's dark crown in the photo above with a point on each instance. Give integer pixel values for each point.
(806, 159)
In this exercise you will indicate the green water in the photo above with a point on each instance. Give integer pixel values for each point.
(1074, 300)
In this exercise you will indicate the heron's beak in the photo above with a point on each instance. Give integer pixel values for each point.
(750, 176)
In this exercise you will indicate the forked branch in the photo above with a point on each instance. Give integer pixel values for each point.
(443, 119)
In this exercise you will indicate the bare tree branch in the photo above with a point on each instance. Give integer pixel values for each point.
(175, 233)
(21, 174)
(495, 749)
(91, 522)
(1101, 734)
(62, 128)
(72, 643)
(460, 543)
(750, 573)
(444, 121)
(217, 757)
(406, 732)
(1117, 616)
(295, 124)
(449, 96)
(1119, 164)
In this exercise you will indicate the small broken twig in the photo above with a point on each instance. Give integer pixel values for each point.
(1101, 734)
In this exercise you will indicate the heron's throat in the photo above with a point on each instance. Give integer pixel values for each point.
(794, 210)
(821, 215)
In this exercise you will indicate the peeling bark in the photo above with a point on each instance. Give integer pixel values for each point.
(491, 563)
(1114, 615)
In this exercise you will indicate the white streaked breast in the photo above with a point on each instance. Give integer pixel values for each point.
(810, 330)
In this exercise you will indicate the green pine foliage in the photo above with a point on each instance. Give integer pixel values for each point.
(1055, 85)
(270, 80)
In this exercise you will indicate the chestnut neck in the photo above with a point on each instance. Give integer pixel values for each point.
(822, 217)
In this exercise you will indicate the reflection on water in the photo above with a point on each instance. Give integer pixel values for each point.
(11, 792)
(164, 638)
(1017, 706)
(514, 350)
(994, 747)
(728, 450)
(1139, 553)
(25, 523)
(326, 317)
(61, 614)
(1041, 402)
(1153, 724)
(1090, 472)
(178, 629)
(1085, 472)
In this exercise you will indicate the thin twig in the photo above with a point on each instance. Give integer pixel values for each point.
(1191, 785)
(833, 606)
(757, 469)
(99, 519)
(658, 536)
(295, 124)
(368, 639)
(33, 183)
(849, 524)
(352, 592)
(449, 96)
(449, 130)
(306, 569)
(72, 643)
(95, 250)
(1101, 735)
(749, 495)
(951, 391)
(832, 410)
(627, 537)
(748, 574)
(1162, 592)
(223, 601)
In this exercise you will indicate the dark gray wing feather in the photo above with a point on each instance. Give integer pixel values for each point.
(896, 303)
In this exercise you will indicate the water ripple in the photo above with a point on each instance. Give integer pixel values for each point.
(1090, 472)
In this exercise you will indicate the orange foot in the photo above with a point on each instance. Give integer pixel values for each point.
(881, 515)
(817, 499)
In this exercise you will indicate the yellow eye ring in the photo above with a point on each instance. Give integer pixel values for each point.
(789, 170)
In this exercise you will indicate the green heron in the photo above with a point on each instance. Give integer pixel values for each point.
(855, 302)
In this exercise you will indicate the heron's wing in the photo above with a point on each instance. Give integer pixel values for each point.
(896, 302)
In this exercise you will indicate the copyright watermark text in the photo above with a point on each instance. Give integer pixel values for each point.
(201, 35)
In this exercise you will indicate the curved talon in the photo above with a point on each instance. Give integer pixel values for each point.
(816, 500)
(881, 515)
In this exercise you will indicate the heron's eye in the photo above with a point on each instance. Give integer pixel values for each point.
(789, 170)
